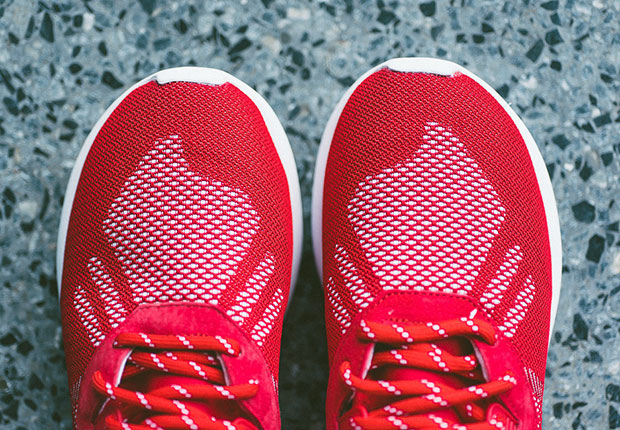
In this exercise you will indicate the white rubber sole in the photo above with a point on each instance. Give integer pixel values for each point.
(443, 68)
(205, 76)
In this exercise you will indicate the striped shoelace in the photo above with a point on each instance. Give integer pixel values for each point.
(414, 401)
(174, 406)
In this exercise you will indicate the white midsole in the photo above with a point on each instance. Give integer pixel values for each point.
(443, 68)
(207, 76)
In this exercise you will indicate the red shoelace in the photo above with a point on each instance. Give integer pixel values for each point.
(175, 406)
(415, 400)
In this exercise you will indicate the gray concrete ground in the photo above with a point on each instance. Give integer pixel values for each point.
(556, 62)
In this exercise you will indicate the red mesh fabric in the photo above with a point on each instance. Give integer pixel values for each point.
(183, 197)
(429, 186)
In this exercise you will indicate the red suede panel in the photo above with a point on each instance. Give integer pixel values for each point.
(184, 319)
(422, 307)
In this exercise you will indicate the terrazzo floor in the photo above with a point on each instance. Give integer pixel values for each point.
(556, 62)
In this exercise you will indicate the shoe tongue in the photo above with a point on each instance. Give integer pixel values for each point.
(401, 373)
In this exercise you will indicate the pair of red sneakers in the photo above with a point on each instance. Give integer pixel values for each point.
(434, 227)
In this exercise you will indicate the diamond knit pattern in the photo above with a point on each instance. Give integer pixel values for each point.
(182, 198)
(429, 186)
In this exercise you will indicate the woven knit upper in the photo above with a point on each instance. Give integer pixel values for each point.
(182, 198)
(429, 186)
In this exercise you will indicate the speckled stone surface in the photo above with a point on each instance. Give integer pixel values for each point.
(556, 62)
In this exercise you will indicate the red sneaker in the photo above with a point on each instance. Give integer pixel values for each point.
(436, 231)
(179, 243)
